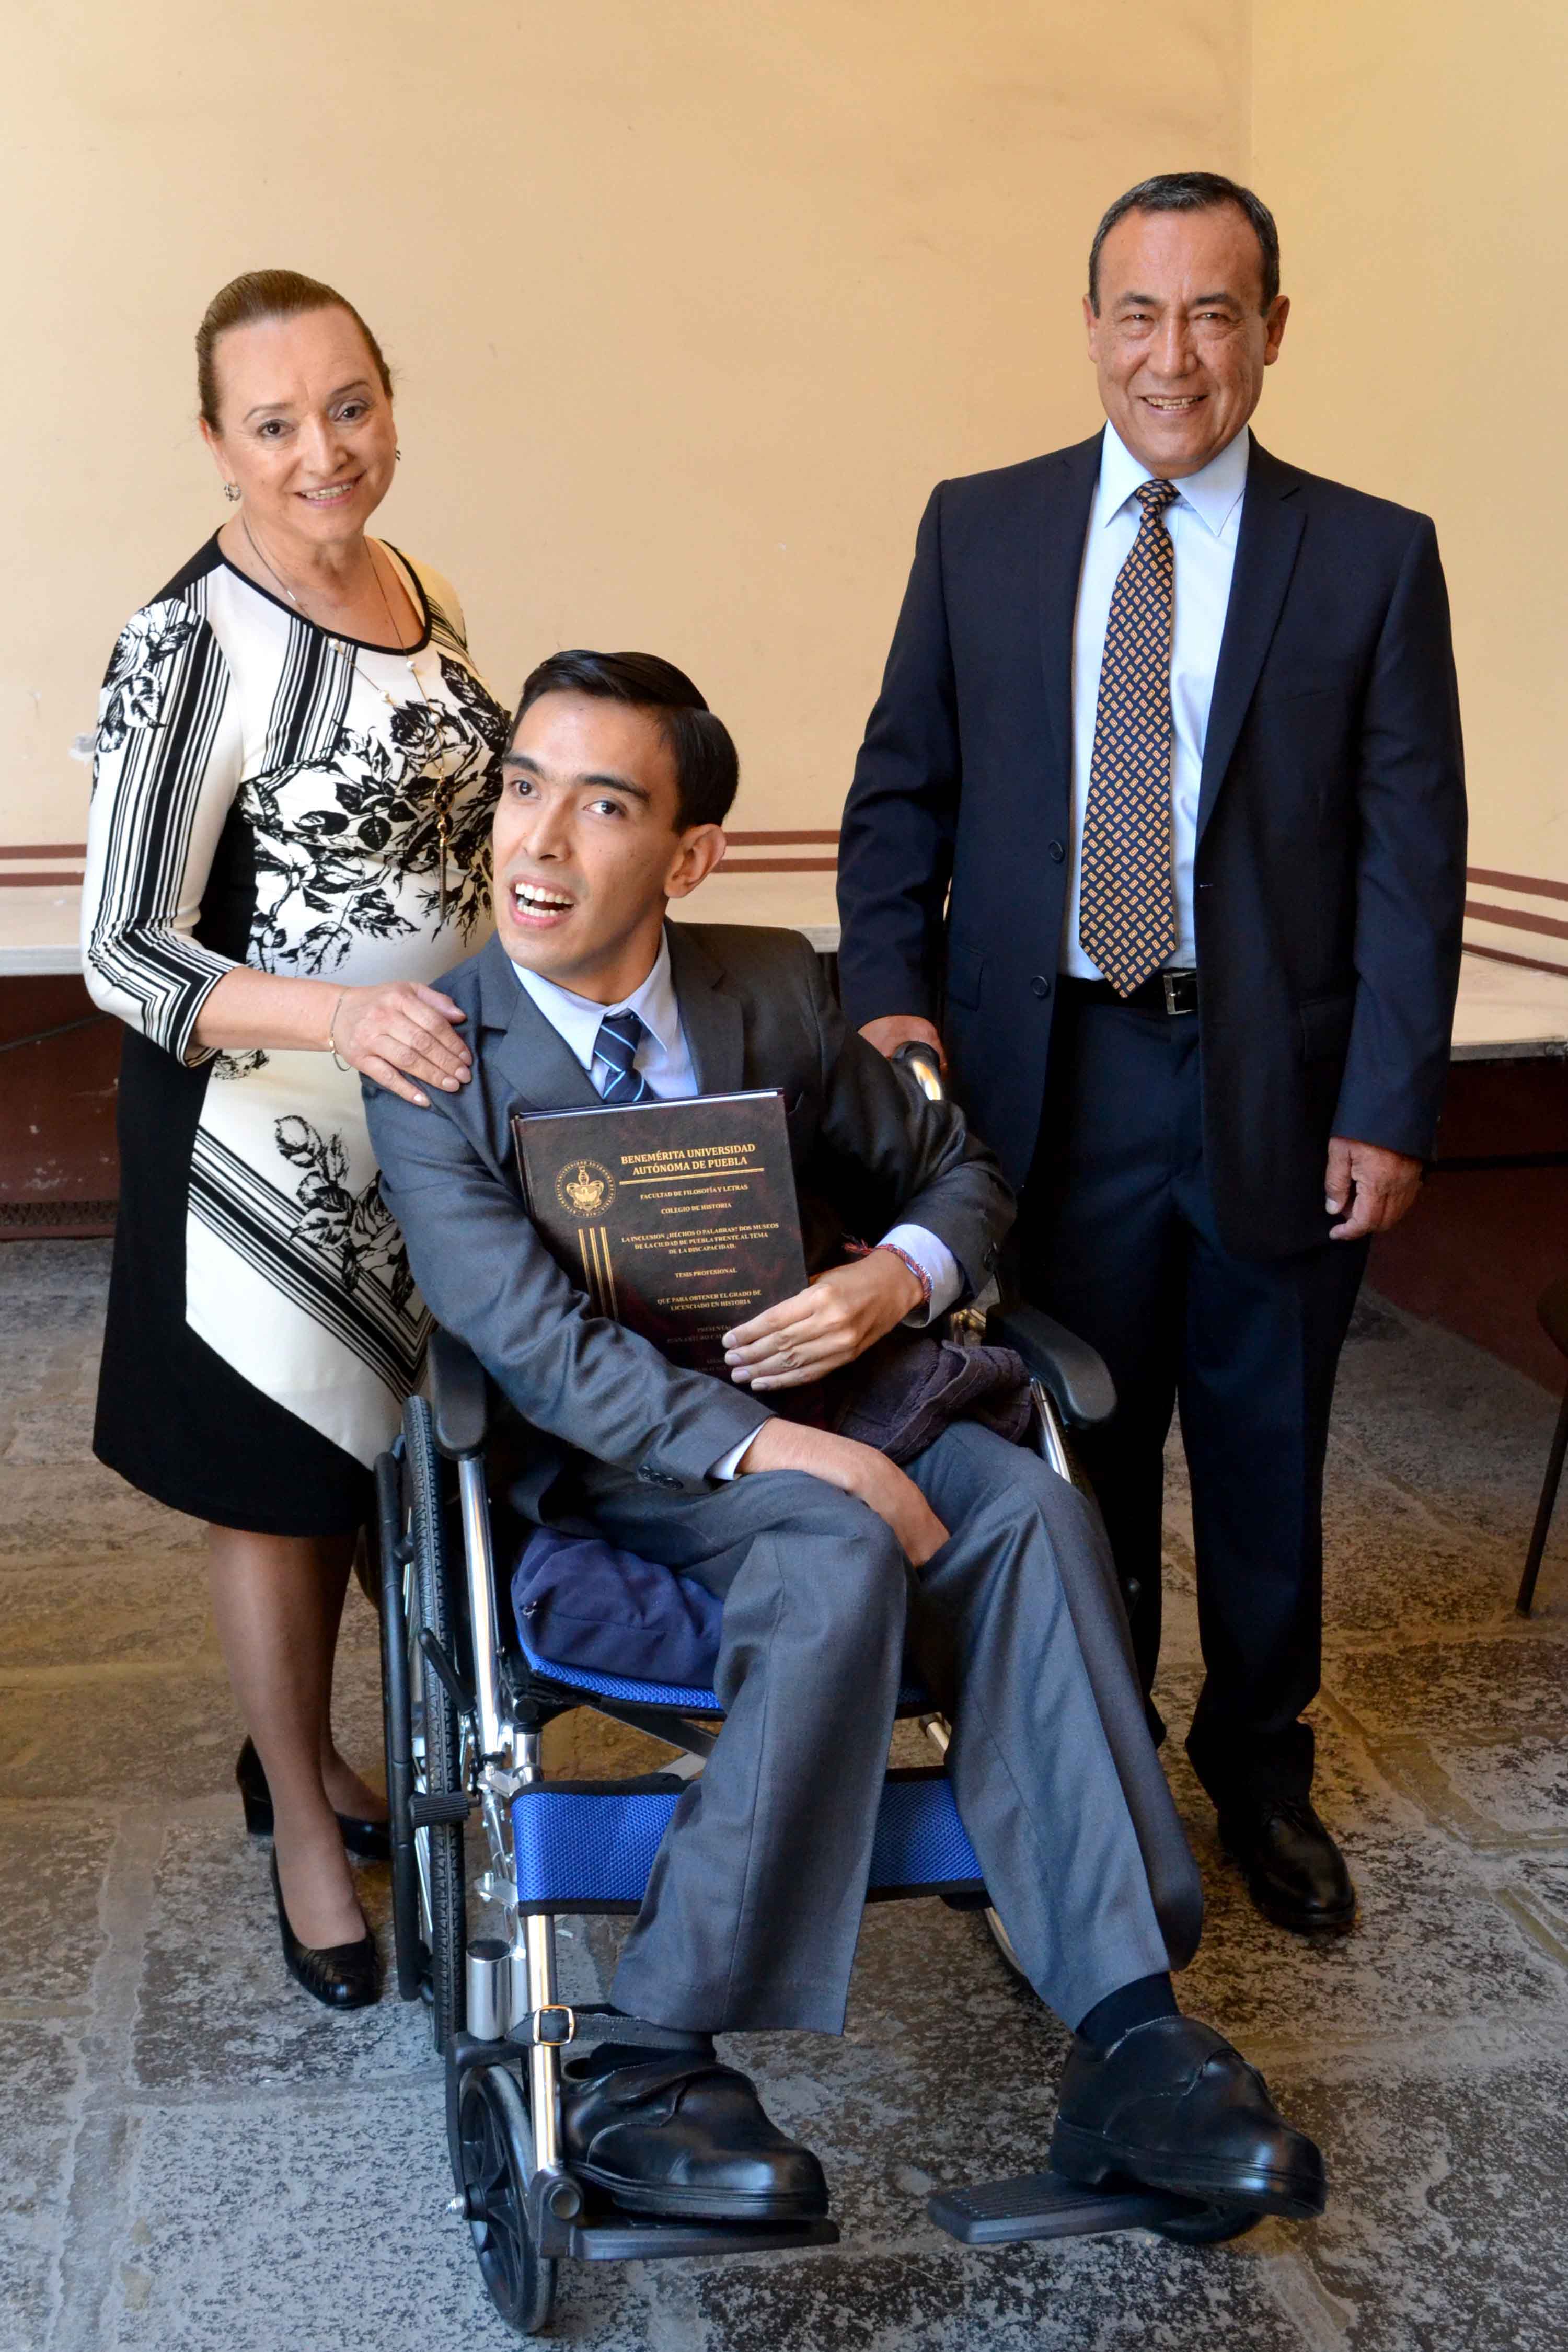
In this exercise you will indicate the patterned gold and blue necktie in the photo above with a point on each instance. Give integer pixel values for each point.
(620, 1034)
(1127, 906)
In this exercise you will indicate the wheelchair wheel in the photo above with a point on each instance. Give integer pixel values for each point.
(424, 1738)
(494, 2160)
(1004, 1943)
(1208, 2225)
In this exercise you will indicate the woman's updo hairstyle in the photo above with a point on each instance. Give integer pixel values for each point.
(268, 294)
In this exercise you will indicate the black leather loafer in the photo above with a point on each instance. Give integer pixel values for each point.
(1294, 1872)
(340, 1975)
(1173, 2105)
(683, 2137)
(372, 1841)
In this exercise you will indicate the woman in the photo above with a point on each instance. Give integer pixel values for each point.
(292, 793)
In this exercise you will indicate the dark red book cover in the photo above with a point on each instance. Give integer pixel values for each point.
(679, 1219)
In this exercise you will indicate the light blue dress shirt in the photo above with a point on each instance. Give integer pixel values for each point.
(1204, 523)
(664, 1059)
(662, 1056)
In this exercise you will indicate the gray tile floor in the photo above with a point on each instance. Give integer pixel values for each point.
(193, 2156)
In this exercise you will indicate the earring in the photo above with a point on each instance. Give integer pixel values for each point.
(231, 492)
(398, 455)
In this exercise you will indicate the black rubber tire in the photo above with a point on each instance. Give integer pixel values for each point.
(494, 2161)
(1003, 1950)
(1208, 2225)
(442, 1841)
(411, 1956)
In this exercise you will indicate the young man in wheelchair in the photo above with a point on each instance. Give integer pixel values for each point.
(614, 787)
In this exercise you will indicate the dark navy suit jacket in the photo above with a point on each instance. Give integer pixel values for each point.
(1329, 874)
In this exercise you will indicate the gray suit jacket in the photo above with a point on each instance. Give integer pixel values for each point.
(757, 1012)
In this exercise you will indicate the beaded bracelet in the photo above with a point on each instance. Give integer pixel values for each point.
(869, 1249)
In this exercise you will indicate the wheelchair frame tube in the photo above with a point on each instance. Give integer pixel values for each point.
(539, 1942)
(480, 1567)
(1055, 1444)
(538, 1953)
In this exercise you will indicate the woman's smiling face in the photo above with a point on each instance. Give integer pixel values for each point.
(305, 427)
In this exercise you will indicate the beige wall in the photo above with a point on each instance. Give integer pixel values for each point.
(1416, 153)
(692, 302)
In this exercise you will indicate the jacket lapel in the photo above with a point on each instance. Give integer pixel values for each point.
(532, 1056)
(709, 1015)
(1272, 520)
(1070, 487)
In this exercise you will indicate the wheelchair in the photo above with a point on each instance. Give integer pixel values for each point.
(466, 1703)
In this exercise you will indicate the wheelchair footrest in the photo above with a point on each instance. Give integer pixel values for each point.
(612, 2236)
(1046, 2205)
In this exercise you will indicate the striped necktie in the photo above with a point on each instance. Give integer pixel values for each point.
(620, 1034)
(1127, 904)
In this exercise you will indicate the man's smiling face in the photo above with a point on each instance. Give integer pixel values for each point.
(1181, 338)
(588, 844)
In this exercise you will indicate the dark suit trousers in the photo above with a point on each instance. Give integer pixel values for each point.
(1118, 1238)
(754, 1908)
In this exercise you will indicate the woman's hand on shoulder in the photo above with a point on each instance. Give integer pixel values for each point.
(402, 1034)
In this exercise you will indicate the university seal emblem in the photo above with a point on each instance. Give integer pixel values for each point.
(584, 1188)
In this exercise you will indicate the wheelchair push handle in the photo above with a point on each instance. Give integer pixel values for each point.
(923, 1064)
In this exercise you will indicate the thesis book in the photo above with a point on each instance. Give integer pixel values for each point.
(679, 1219)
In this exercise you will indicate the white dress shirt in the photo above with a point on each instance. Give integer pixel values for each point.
(664, 1059)
(1204, 523)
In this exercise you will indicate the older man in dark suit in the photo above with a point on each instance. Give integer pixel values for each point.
(614, 789)
(1159, 826)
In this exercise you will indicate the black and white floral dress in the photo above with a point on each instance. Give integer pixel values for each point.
(269, 793)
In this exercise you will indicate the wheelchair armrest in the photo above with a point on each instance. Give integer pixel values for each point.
(459, 1405)
(1073, 1375)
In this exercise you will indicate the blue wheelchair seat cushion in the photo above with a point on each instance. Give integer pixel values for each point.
(582, 1602)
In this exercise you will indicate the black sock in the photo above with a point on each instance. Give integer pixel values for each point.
(1134, 2004)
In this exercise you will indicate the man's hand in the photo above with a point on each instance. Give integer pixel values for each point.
(854, 1469)
(1376, 1186)
(896, 1029)
(834, 1320)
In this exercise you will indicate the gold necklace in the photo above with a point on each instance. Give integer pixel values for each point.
(444, 787)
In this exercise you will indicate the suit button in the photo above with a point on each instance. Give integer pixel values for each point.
(1057, 853)
(1040, 985)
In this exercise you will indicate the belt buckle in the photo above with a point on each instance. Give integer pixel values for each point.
(1179, 984)
(554, 2037)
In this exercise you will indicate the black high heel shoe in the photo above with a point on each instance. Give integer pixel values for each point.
(372, 1841)
(340, 1975)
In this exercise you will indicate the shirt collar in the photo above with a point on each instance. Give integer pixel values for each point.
(577, 1018)
(1212, 494)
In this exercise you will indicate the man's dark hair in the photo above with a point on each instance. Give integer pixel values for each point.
(707, 770)
(1192, 192)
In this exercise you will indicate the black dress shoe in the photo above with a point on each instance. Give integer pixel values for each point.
(1173, 2105)
(684, 2136)
(1295, 1873)
(340, 1975)
(372, 1841)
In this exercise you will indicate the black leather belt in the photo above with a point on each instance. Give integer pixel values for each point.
(1168, 991)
